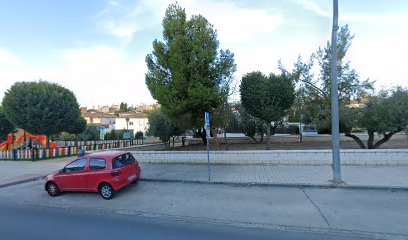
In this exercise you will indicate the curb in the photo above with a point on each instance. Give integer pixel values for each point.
(283, 185)
(248, 184)
(21, 181)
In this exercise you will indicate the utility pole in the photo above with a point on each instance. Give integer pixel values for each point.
(335, 100)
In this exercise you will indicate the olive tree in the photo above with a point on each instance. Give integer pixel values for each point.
(385, 114)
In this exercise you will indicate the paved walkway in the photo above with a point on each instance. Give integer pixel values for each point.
(358, 176)
(20, 171)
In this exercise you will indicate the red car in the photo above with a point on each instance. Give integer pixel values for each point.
(103, 172)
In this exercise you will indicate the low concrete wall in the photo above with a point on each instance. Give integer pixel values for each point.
(306, 138)
(284, 157)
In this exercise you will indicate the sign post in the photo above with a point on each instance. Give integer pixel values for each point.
(102, 133)
(126, 135)
(207, 132)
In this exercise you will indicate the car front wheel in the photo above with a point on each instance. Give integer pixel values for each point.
(52, 189)
(106, 191)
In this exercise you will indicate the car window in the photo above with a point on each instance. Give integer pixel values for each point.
(97, 163)
(123, 160)
(76, 166)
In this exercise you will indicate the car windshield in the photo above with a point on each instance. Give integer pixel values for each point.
(123, 160)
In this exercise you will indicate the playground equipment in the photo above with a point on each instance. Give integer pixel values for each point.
(20, 139)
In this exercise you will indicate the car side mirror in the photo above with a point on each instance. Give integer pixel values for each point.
(62, 170)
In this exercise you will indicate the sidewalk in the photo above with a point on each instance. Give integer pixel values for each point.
(12, 172)
(393, 177)
(353, 176)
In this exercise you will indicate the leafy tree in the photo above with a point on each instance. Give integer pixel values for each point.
(250, 125)
(234, 124)
(187, 75)
(78, 126)
(6, 126)
(41, 107)
(267, 98)
(123, 107)
(139, 135)
(64, 136)
(111, 135)
(91, 133)
(314, 90)
(220, 119)
(385, 114)
(161, 126)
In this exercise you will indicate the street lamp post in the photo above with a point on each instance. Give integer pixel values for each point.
(335, 100)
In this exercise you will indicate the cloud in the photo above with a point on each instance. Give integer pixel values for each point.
(8, 59)
(380, 60)
(102, 74)
(234, 24)
(97, 75)
(123, 19)
(325, 9)
(316, 8)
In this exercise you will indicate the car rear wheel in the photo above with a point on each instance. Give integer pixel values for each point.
(52, 189)
(106, 191)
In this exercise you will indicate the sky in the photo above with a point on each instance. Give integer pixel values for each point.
(97, 48)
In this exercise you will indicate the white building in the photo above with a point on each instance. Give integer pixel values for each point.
(107, 121)
(132, 121)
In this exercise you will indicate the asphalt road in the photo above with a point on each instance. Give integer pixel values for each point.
(29, 222)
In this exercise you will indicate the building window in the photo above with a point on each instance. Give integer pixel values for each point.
(130, 123)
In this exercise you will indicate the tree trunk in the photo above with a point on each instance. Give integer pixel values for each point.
(173, 142)
(386, 137)
(300, 132)
(357, 139)
(225, 138)
(217, 142)
(253, 138)
(273, 129)
(370, 140)
(203, 136)
(262, 137)
(268, 135)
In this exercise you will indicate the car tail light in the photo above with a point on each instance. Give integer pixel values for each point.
(115, 173)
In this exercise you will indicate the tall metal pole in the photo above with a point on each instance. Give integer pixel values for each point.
(207, 132)
(335, 99)
(208, 158)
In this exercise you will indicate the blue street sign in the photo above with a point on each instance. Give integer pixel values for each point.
(207, 124)
(207, 118)
(101, 133)
(126, 135)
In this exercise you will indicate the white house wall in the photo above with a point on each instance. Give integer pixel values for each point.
(135, 124)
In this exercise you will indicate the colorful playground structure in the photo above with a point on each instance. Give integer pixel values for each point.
(21, 139)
